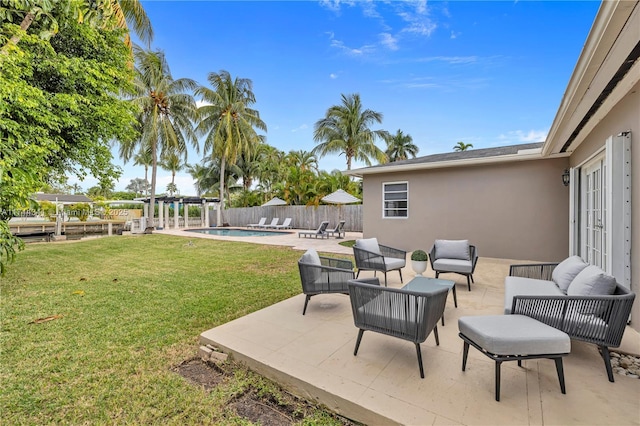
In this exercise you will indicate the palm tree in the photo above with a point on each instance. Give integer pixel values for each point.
(172, 162)
(401, 147)
(304, 160)
(228, 121)
(143, 158)
(461, 146)
(166, 111)
(345, 130)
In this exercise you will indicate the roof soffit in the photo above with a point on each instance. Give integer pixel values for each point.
(613, 36)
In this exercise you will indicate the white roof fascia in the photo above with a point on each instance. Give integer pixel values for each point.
(522, 155)
(611, 19)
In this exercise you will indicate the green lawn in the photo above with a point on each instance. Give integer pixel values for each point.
(127, 309)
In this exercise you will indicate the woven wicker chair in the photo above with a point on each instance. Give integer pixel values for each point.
(593, 319)
(371, 256)
(320, 275)
(395, 312)
(457, 266)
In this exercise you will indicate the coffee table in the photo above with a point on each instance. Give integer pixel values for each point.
(430, 285)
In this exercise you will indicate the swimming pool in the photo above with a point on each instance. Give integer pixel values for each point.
(231, 232)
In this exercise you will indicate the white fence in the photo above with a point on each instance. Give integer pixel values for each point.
(303, 217)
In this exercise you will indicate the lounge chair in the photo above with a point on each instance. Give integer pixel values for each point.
(260, 223)
(454, 256)
(320, 232)
(338, 231)
(405, 314)
(371, 256)
(285, 225)
(273, 223)
(323, 275)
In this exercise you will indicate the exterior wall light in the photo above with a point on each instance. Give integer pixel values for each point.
(565, 177)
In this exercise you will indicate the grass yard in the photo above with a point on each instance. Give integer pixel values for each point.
(91, 329)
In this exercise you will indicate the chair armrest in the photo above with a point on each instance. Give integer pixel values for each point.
(336, 263)
(539, 271)
(367, 259)
(594, 319)
(432, 255)
(392, 252)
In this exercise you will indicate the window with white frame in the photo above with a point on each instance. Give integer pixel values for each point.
(395, 200)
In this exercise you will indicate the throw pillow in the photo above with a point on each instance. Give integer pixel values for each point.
(592, 281)
(452, 249)
(369, 244)
(311, 256)
(566, 271)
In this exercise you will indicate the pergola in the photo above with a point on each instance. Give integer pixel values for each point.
(164, 221)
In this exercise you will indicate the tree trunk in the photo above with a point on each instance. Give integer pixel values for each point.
(24, 25)
(154, 169)
(221, 205)
(146, 181)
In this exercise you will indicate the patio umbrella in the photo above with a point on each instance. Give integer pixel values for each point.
(340, 197)
(275, 201)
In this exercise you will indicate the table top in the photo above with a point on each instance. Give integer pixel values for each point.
(428, 285)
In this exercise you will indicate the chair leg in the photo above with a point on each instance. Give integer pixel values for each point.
(385, 278)
(400, 270)
(472, 279)
(604, 352)
(468, 282)
(360, 333)
(435, 333)
(358, 274)
(437, 274)
(420, 360)
(498, 364)
(465, 352)
(560, 371)
(306, 302)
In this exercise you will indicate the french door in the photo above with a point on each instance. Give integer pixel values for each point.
(594, 213)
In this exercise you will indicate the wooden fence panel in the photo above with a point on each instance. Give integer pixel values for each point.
(303, 217)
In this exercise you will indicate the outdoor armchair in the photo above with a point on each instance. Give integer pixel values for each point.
(338, 231)
(404, 314)
(320, 274)
(371, 256)
(454, 256)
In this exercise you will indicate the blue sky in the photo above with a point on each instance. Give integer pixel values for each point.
(485, 73)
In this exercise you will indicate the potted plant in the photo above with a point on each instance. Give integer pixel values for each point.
(419, 262)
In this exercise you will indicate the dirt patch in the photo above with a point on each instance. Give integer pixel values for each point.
(200, 373)
(257, 406)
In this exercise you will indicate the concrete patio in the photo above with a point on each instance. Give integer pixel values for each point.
(312, 355)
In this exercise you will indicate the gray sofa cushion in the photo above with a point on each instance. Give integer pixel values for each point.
(391, 263)
(514, 335)
(592, 281)
(567, 270)
(452, 249)
(519, 286)
(453, 265)
(369, 244)
(311, 257)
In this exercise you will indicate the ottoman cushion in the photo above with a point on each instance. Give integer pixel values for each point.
(514, 335)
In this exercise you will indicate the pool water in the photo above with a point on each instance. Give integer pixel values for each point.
(230, 232)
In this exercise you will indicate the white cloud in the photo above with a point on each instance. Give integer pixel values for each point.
(301, 127)
(333, 76)
(525, 136)
(335, 5)
(202, 102)
(389, 41)
(454, 60)
(351, 51)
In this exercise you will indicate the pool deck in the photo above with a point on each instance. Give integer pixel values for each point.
(312, 355)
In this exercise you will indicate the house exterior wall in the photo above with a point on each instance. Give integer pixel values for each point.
(623, 117)
(516, 210)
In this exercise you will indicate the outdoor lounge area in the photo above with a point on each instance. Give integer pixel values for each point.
(313, 356)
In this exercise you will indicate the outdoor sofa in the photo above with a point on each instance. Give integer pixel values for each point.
(572, 296)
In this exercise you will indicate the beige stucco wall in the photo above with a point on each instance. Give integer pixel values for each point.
(624, 116)
(517, 210)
